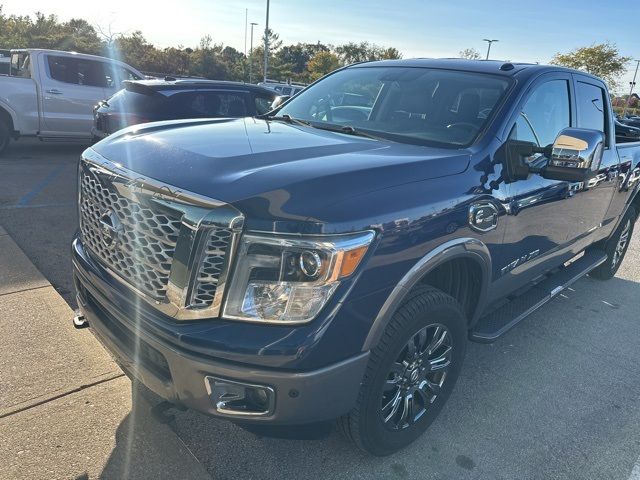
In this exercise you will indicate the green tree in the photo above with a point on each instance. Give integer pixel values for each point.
(603, 60)
(278, 68)
(173, 61)
(390, 53)
(354, 52)
(207, 61)
(365, 52)
(234, 62)
(321, 64)
(45, 31)
(80, 36)
(274, 41)
(298, 56)
(470, 54)
(135, 50)
(301, 61)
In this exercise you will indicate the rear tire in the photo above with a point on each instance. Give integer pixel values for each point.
(5, 136)
(411, 373)
(616, 247)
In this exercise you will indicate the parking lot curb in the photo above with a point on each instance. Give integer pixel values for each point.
(17, 273)
(54, 390)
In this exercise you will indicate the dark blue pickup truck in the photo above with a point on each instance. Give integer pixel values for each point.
(331, 259)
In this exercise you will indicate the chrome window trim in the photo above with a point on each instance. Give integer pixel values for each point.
(200, 215)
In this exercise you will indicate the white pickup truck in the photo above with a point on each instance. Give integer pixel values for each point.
(50, 94)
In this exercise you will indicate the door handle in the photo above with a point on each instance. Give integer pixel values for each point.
(54, 91)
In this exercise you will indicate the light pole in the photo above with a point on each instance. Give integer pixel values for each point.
(489, 46)
(253, 24)
(633, 84)
(246, 19)
(266, 44)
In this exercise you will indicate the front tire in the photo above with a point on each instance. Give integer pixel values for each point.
(411, 373)
(616, 247)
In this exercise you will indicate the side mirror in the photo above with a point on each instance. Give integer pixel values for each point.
(279, 101)
(573, 157)
(576, 153)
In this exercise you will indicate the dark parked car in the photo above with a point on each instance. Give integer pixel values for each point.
(626, 133)
(5, 58)
(143, 101)
(332, 258)
(631, 121)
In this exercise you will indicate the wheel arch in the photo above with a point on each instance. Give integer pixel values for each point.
(471, 249)
(7, 117)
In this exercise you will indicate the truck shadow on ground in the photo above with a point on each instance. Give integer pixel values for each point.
(557, 393)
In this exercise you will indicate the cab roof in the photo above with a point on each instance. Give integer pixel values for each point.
(496, 67)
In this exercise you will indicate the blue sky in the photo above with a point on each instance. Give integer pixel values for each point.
(528, 31)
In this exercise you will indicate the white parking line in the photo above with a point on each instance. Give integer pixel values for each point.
(635, 473)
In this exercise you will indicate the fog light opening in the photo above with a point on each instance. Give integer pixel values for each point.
(236, 398)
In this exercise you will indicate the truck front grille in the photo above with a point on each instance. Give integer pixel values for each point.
(146, 239)
(211, 266)
(172, 247)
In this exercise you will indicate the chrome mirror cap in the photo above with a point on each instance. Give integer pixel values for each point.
(578, 148)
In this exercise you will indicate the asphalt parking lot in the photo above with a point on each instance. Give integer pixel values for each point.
(558, 397)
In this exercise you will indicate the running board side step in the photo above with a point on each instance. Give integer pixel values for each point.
(496, 323)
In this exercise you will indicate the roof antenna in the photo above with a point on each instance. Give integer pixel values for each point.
(505, 67)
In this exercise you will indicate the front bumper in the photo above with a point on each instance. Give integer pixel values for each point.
(179, 375)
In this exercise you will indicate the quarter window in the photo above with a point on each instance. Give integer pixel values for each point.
(263, 105)
(116, 74)
(20, 65)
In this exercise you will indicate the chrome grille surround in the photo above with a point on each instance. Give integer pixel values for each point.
(173, 248)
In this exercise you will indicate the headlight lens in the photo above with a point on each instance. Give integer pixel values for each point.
(290, 279)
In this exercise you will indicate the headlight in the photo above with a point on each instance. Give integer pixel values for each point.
(289, 279)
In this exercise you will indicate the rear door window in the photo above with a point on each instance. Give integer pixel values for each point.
(203, 104)
(591, 103)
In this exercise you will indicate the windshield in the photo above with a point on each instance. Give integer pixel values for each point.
(405, 104)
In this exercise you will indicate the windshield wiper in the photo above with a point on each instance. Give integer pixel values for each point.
(360, 133)
(287, 118)
(348, 129)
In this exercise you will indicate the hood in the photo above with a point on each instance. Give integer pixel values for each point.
(272, 168)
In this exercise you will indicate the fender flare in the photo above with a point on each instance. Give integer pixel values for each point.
(458, 248)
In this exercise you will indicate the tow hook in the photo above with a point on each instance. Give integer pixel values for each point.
(79, 321)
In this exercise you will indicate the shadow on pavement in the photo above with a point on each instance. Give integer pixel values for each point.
(551, 399)
(145, 448)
